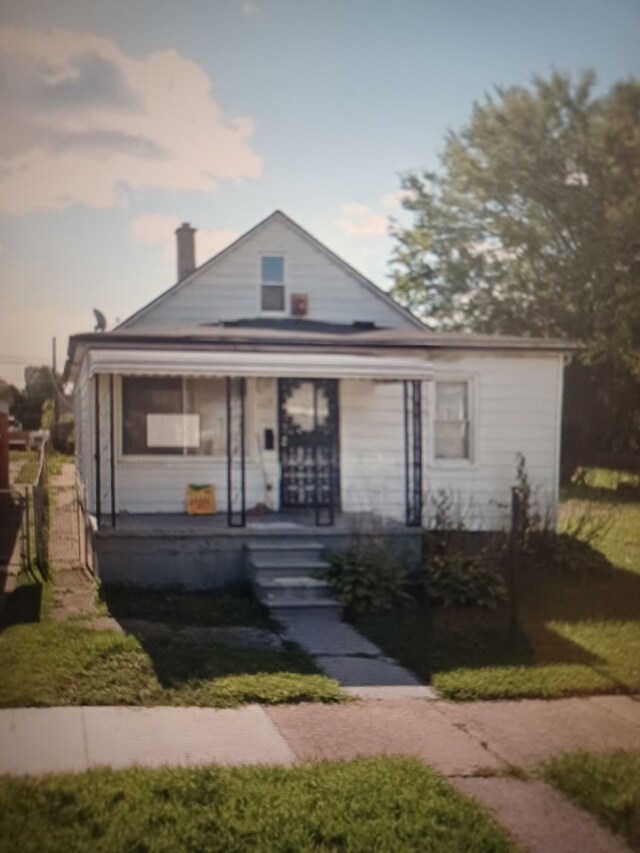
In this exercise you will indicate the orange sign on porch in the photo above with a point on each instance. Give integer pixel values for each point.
(201, 500)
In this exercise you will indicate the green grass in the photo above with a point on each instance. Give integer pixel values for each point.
(46, 663)
(66, 663)
(578, 635)
(374, 804)
(608, 786)
(177, 607)
(30, 461)
(55, 461)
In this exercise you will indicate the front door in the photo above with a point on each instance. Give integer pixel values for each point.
(309, 445)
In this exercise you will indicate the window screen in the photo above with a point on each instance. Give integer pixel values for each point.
(452, 420)
(173, 416)
(272, 291)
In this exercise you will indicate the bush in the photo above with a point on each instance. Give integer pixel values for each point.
(571, 552)
(452, 573)
(368, 578)
(458, 578)
(561, 552)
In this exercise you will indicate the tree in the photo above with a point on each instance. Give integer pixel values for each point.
(41, 384)
(532, 227)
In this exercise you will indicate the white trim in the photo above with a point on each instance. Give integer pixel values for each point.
(276, 364)
(558, 436)
(455, 464)
(175, 460)
(285, 268)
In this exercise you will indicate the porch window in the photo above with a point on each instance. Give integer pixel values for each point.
(272, 290)
(173, 416)
(452, 425)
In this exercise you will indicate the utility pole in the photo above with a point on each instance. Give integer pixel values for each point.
(56, 407)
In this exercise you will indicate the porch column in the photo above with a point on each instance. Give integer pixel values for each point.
(236, 453)
(112, 460)
(97, 454)
(104, 447)
(413, 452)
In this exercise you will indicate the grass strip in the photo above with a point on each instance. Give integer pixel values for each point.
(608, 786)
(374, 804)
(48, 664)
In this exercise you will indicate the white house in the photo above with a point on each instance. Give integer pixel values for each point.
(308, 399)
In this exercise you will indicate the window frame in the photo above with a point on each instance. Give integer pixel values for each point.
(461, 462)
(181, 458)
(273, 312)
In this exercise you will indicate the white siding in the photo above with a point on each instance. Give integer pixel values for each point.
(230, 288)
(515, 409)
(372, 448)
(516, 403)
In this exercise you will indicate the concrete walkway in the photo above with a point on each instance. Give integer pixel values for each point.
(475, 745)
(343, 653)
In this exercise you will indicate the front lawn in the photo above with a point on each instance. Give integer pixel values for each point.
(608, 786)
(578, 636)
(384, 804)
(46, 663)
(175, 607)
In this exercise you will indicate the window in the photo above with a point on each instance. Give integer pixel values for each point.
(452, 420)
(272, 291)
(173, 416)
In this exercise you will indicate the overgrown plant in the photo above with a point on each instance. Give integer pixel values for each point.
(454, 574)
(369, 577)
(540, 546)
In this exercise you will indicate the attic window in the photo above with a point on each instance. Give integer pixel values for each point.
(272, 289)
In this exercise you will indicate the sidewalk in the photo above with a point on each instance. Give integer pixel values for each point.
(458, 739)
(474, 744)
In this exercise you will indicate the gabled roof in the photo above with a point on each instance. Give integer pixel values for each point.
(277, 215)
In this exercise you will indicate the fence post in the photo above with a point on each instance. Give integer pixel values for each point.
(28, 526)
(514, 555)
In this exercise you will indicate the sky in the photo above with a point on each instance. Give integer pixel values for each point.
(122, 119)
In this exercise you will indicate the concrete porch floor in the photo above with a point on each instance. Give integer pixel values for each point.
(294, 521)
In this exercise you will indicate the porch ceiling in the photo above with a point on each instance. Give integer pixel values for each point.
(273, 364)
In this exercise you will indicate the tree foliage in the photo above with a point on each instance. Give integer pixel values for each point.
(532, 225)
(40, 385)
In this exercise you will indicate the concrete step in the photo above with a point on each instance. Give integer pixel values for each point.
(291, 603)
(283, 575)
(284, 555)
(278, 544)
(285, 565)
(307, 589)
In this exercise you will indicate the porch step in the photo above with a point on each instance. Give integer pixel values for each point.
(274, 564)
(284, 575)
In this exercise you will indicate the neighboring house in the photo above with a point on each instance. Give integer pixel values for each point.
(308, 399)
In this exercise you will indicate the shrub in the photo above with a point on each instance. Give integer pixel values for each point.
(458, 578)
(368, 577)
(452, 573)
(560, 552)
(571, 551)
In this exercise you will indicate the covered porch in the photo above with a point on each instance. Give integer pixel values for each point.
(203, 552)
(286, 440)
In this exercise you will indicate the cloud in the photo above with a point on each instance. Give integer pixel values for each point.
(159, 229)
(393, 201)
(358, 220)
(85, 123)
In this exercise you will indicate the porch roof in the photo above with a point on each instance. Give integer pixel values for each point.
(327, 365)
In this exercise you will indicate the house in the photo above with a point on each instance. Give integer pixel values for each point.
(307, 401)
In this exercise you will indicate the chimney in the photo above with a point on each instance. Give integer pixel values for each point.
(186, 250)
